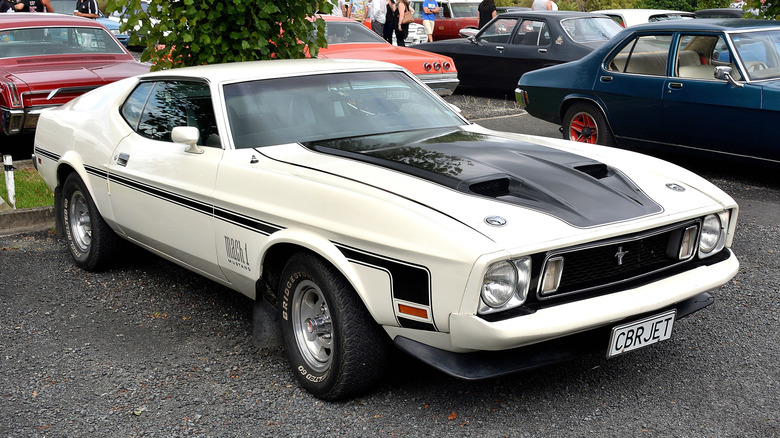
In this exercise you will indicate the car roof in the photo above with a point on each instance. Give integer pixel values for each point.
(38, 19)
(258, 70)
(717, 24)
(559, 14)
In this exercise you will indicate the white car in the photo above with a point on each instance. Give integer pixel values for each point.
(416, 35)
(362, 208)
(632, 17)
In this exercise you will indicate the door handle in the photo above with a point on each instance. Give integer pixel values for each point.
(500, 48)
(542, 50)
(606, 79)
(122, 159)
(676, 85)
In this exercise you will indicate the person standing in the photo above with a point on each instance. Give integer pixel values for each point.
(544, 5)
(487, 12)
(86, 9)
(376, 11)
(346, 8)
(430, 9)
(401, 29)
(389, 21)
(33, 6)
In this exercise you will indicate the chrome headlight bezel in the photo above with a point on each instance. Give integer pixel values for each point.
(512, 278)
(712, 238)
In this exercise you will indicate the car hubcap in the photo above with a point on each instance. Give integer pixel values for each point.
(312, 325)
(79, 222)
(583, 129)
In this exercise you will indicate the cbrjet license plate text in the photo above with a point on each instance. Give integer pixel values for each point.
(638, 334)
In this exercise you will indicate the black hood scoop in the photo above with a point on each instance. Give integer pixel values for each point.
(576, 189)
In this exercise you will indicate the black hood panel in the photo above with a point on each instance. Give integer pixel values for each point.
(576, 189)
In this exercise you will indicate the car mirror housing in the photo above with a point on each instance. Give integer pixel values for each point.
(724, 73)
(188, 135)
(468, 32)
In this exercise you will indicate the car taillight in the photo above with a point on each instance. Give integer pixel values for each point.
(12, 93)
(437, 66)
(427, 66)
(446, 65)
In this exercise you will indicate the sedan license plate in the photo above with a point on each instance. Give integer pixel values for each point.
(638, 334)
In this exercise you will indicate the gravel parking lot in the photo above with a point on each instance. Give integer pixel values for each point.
(149, 349)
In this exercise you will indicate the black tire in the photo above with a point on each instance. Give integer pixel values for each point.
(334, 346)
(585, 123)
(92, 243)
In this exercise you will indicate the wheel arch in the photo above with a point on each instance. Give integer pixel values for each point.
(281, 248)
(572, 100)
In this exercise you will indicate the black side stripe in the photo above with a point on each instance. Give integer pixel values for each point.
(408, 281)
(220, 213)
(48, 154)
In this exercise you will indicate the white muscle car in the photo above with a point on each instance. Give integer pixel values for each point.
(364, 209)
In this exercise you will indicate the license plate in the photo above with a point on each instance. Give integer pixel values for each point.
(638, 334)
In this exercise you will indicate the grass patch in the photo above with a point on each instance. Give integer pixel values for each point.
(31, 191)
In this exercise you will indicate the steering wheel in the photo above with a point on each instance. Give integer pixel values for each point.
(753, 66)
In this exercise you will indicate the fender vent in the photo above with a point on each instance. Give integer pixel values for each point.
(493, 188)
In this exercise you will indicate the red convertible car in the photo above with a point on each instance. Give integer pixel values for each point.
(48, 59)
(349, 39)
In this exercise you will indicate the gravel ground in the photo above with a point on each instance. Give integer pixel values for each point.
(149, 349)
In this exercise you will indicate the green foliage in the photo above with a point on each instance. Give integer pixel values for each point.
(29, 189)
(765, 10)
(180, 33)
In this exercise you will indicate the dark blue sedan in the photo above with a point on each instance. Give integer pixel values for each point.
(710, 86)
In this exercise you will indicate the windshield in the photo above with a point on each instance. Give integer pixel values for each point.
(56, 41)
(587, 29)
(342, 32)
(759, 53)
(331, 106)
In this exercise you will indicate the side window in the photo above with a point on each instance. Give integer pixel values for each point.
(498, 31)
(532, 33)
(134, 105)
(695, 56)
(646, 55)
(172, 104)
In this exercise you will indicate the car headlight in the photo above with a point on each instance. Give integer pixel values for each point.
(421, 30)
(713, 234)
(505, 285)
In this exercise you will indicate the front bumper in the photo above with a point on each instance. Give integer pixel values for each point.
(482, 348)
(487, 364)
(444, 84)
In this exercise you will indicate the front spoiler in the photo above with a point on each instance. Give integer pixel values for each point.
(487, 364)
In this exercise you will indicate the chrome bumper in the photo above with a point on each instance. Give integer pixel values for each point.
(16, 121)
(444, 84)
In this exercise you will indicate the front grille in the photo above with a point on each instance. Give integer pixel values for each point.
(619, 260)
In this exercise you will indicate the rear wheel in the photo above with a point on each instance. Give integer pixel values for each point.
(334, 346)
(584, 123)
(91, 241)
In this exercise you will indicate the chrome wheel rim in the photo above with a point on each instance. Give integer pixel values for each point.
(312, 325)
(79, 222)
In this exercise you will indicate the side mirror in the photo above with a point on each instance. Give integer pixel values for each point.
(724, 73)
(468, 32)
(188, 135)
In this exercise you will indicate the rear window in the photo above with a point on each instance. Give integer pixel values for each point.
(42, 41)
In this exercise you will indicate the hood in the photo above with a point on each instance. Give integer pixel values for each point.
(578, 190)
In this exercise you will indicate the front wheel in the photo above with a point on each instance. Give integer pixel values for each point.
(334, 346)
(584, 123)
(91, 241)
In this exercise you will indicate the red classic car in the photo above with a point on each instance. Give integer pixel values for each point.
(453, 16)
(48, 59)
(350, 39)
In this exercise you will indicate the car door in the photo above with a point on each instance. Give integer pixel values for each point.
(529, 49)
(702, 112)
(161, 192)
(483, 61)
(630, 86)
